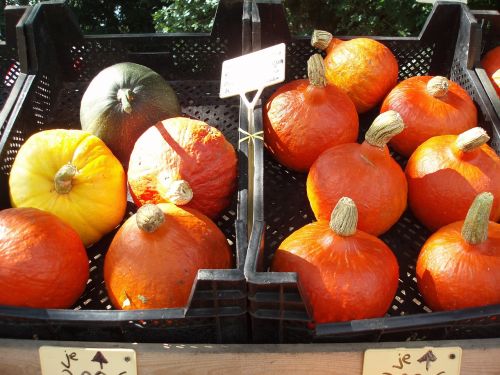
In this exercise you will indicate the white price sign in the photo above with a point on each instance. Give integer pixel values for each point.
(253, 71)
(55, 360)
(414, 361)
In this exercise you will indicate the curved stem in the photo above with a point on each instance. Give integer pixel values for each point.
(178, 192)
(384, 127)
(63, 180)
(149, 218)
(344, 219)
(472, 139)
(438, 86)
(125, 96)
(321, 39)
(475, 228)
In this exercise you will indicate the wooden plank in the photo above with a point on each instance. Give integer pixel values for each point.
(480, 357)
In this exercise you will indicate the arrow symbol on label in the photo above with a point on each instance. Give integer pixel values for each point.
(99, 357)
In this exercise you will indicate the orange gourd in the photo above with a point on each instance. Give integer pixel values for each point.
(429, 106)
(185, 162)
(344, 273)
(459, 265)
(491, 64)
(43, 263)
(155, 256)
(305, 117)
(367, 173)
(363, 68)
(445, 173)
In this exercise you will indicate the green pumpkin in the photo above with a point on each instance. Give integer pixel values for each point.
(124, 100)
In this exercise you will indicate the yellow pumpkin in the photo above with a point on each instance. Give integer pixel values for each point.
(74, 175)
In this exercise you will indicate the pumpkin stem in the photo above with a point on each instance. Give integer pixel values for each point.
(344, 219)
(475, 228)
(149, 217)
(125, 96)
(64, 177)
(384, 127)
(177, 192)
(316, 70)
(438, 86)
(471, 139)
(321, 39)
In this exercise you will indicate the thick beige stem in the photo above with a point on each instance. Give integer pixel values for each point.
(63, 180)
(177, 192)
(385, 126)
(316, 70)
(344, 219)
(475, 228)
(149, 217)
(321, 39)
(125, 96)
(472, 139)
(438, 86)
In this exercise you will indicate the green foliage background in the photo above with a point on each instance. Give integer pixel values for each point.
(341, 17)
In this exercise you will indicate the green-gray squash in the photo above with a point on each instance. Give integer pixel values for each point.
(124, 100)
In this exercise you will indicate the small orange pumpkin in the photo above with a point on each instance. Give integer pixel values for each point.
(305, 117)
(429, 106)
(43, 263)
(344, 273)
(154, 257)
(445, 174)
(367, 173)
(459, 265)
(363, 68)
(185, 162)
(491, 64)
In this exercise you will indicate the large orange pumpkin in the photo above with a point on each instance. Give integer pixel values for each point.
(367, 173)
(305, 117)
(429, 106)
(491, 64)
(344, 273)
(185, 162)
(154, 257)
(459, 265)
(363, 68)
(445, 174)
(43, 263)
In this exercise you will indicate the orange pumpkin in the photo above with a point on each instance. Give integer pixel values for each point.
(429, 106)
(363, 68)
(305, 117)
(43, 263)
(445, 174)
(367, 173)
(491, 64)
(185, 162)
(459, 265)
(344, 273)
(155, 256)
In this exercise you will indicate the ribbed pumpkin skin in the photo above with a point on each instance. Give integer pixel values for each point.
(363, 68)
(368, 175)
(443, 181)
(97, 201)
(491, 64)
(184, 149)
(302, 120)
(426, 116)
(342, 278)
(102, 114)
(157, 270)
(453, 274)
(43, 263)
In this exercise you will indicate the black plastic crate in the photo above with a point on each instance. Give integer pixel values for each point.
(276, 307)
(61, 63)
(489, 21)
